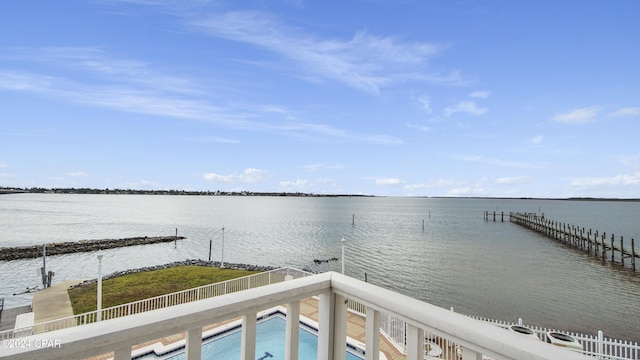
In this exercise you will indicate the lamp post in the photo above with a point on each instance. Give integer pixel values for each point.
(222, 257)
(99, 314)
(343, 255)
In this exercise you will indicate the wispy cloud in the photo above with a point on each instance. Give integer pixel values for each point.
(480, 94)
(537, 140)
(513, 180)
(250, 175)
(319, 167)
(388, 181)
(469, 107)
(364, 61)
(441, 183)
(624, 112)
(298, 184)
(500, 162)
(136, 87)
(217, 139)
(78, 174)
(618, 180)
(578, 116)
(426, 103)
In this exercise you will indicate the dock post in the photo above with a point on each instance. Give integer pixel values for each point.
(502, 216)
(494, 216)
(612, 248)
(622, 250)
(604, 247)
(595, 243)
(633, 255)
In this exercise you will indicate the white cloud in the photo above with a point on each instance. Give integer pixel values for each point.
(300, 184)
(250, 175)
(618, 180)
(365, 61)
(78, 174)
(513, 180)
(628, 111)
(217, 139)
(500, 162)
(3, 165)
(434, 184)
(578, 116)
(318, 167)
(422, 128)
(469, 107)
(537, 140)
(388, 181)
(480, 94)
(426, 103)
(135, 87)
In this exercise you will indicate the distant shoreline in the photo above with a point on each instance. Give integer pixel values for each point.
(91, 191)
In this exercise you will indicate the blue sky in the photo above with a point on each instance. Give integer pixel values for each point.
(407, 98)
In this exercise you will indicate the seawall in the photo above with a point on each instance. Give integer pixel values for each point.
(35, 251)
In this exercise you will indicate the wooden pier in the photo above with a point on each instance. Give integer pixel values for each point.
(600, 245)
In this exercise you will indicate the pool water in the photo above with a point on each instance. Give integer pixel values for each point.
(270, 344)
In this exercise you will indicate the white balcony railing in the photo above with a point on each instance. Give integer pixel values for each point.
(162, 301)
(475, 338)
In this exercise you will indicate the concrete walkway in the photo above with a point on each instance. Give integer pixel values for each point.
(8, 320)
(53, 303)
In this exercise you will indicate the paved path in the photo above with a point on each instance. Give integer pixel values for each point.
(53, 303)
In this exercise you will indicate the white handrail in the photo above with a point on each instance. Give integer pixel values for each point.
(162, 301)
(475, 338)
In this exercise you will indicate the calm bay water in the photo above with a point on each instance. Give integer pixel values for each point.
(495, 270)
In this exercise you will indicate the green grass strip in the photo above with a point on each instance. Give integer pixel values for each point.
(148, 284)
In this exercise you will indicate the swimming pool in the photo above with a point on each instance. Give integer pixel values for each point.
(270, 344)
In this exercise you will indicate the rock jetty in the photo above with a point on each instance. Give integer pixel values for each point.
(35, 251)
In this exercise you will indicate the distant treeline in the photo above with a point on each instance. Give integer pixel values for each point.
(38, 190)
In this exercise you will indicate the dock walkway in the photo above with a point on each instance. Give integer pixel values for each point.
(577, 237)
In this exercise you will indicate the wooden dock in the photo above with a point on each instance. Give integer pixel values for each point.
(600, 245)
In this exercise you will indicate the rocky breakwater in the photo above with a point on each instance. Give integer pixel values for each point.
(35, 251)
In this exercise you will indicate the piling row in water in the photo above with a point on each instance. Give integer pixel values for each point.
(592, 242)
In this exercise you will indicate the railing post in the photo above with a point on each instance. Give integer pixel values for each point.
(415, 343)
(326, 319)
(600, 344)
(248, 344)
(372, 334)
(193, 344)
(292, 331)
(468, 354)
(340, 328)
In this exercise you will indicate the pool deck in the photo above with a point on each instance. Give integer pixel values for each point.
(309, 309)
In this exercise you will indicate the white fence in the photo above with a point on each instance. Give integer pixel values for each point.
(594, 345)
(159, 302)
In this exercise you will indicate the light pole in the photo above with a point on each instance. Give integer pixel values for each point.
(343, 255)
(222, 257)
(99, 314)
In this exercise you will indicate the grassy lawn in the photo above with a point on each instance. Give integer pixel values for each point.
(143, 285)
